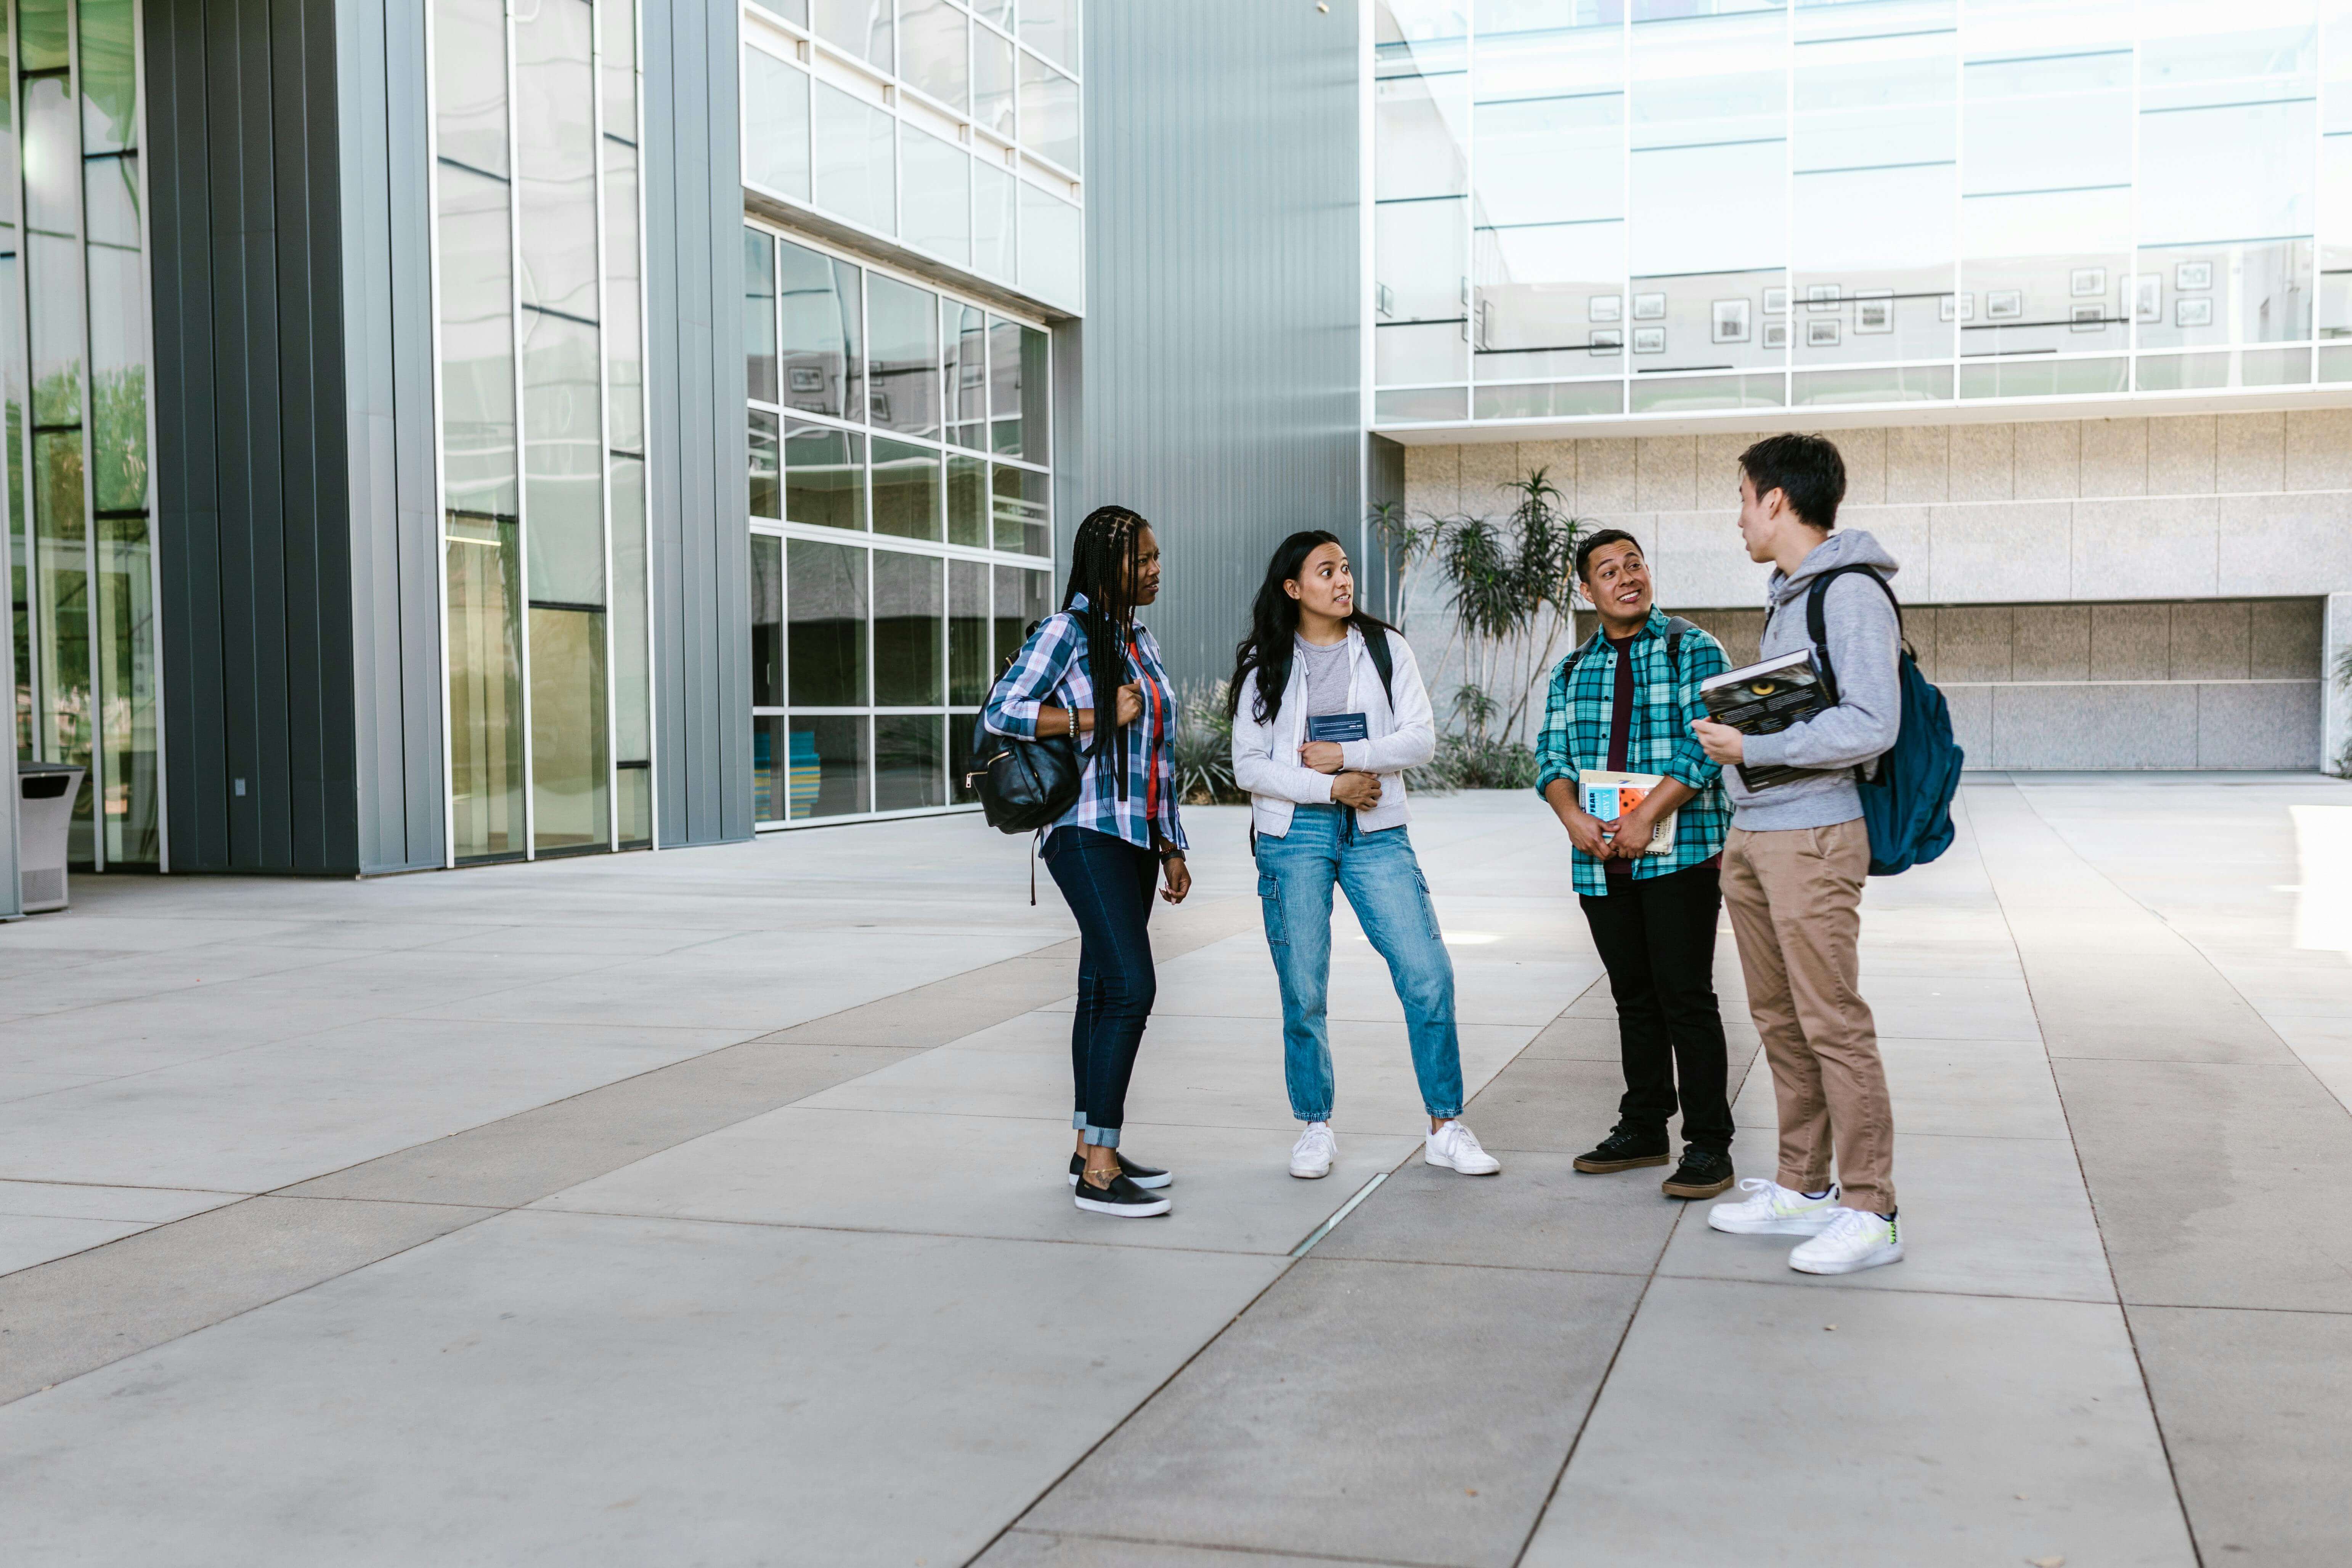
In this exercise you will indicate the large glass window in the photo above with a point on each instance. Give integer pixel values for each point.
(902, 530)
(80, 558)
(1585, 208)
(540, 283)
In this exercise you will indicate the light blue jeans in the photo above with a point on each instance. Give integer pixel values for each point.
(1296, 874)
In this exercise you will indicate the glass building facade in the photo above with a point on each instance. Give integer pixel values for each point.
(542, 426)
(74, 371)
(906, 168)
(1612, 208)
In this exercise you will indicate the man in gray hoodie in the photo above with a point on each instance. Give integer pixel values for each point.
(1794, 866)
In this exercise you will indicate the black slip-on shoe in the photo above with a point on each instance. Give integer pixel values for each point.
(1626, 1149)
(1702, 1173)
(1143, 1176)
(1122, 1200)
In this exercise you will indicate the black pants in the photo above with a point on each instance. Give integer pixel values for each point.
(1658, 936)
(1108, 884)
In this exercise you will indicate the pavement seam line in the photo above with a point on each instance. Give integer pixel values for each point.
(1233, 1550)
(1320, 1231)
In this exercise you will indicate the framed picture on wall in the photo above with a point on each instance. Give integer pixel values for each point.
(1957, 308)
(1731, 321)
(2089, 317)
(1823, 334)
(1776, 302)
(2148, 297)
(1609, 339)
(1821, 297)
(2004, 304)
(1874, 312)
(2192, 312)
(1649, 307)
(1776, 334)
(2189, 277)
(1605, 307)
(1649, 340)
(2088, 281)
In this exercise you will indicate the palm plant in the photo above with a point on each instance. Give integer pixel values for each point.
(1504, 577)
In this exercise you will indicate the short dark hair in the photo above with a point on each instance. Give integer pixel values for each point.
(1805, 468)
(1594, 541)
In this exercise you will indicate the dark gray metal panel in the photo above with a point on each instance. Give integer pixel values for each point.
(1221, 370)
(702, 541)
(395, 573)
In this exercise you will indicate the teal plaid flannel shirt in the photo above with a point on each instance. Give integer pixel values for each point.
(1575, 737)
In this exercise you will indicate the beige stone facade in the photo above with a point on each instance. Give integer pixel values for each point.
(2093, 593)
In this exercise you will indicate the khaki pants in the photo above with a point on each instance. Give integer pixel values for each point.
(1795, 897)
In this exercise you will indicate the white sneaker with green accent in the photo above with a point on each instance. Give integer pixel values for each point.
(1855, 1239)
(1771, 1209)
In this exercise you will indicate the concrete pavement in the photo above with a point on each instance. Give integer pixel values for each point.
(707, 1207)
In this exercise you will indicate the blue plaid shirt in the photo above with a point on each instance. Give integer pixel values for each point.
(1665, 699)
(1051, 670)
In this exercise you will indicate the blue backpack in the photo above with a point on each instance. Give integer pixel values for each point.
(1907, 800)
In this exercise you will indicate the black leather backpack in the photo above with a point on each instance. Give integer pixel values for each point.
(1024, 785)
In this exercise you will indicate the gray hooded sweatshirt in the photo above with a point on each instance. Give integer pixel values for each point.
(1865, 637)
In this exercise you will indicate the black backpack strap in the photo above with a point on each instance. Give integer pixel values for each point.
(1817, 621)
(1675, 628)
(1376, 643)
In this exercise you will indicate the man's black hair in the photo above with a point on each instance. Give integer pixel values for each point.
(1594, 541)
(1805, 468)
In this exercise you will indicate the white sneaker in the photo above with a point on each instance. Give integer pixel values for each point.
(1855, 1239)
(1456, 1148)
(1771, 1209)
(1312, 1156)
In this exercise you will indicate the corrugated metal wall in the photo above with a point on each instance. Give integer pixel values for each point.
(1220, 350)
(701, 541)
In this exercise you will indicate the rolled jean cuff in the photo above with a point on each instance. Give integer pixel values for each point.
(1102, 1137)
(1078, 1121)
(1437, 1115)
(1311, 1117)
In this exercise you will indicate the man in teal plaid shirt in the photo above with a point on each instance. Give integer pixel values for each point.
(1624, 703)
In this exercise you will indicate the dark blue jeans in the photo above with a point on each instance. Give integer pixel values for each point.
(1109, 884)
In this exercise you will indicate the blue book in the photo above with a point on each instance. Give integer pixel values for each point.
(1337, 727)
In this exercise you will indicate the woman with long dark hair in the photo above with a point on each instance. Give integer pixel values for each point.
(1109, 851)
(1328, 710)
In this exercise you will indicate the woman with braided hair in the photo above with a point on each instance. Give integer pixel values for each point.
(1109, 851)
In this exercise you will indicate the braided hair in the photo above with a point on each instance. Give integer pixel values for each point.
(1103, 565)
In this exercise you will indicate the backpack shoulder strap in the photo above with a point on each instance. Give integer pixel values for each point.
(1675, 628)
(1376, 643)
(1587, 646)
(1817, 622)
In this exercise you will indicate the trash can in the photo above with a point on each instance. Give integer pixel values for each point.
(45, 796)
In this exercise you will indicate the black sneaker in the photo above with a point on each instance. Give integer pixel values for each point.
(1702, 1173)
(1625, 1149)
(1142, 1175)
(1122, 1198)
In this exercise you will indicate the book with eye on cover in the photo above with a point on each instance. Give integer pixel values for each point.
(1764, 699)
(1609, 796)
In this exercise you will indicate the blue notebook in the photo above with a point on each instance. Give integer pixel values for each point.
(1337, 727)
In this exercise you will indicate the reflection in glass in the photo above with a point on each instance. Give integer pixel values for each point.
(478, 387)
(993, 201)
(856, 172)
(570, 764)
(793, 11)
(555, 158)
(991, 82)
(53, 250)
(1018, 385)
(825, 598)
(1051, 28)
(119, 349)
(1052, 246)
(2041, 377)
(469, 84)
(902, 324)
(828, 767)
(824, 356)
(109, 84)
(19, 561)
(770, 768)
(767, 621)
(126, 674)
(967, 667)
(2211, 296)
(906, 489)
(41, 33)
(1541, 290)
(931, 49)
(766, 467)
(624, 369)
(1877, 384)
(1419, 404)
(1712, 321)
(563, 465)
(859, 27)
(633, 726)
(1023, 512)
(760, 315)
(939, 197)
(825, 476)
(964, 332)
(1049, 114)
(485, 688)
(1551, 400)
(775, 125)
(967, 501)
(909, 761)
(1022, 599)
(909, 627)
(963, 788)
(1690, 394)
